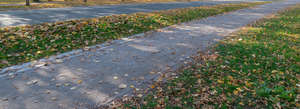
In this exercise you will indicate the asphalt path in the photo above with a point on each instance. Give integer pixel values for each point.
(23, 17)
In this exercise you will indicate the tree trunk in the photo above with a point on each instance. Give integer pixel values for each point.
(36, 0)
(27, 3)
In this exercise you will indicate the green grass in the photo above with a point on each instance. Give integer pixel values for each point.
(257, 67)
(26, 43)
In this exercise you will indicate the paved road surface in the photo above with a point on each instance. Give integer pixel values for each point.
(21, 17)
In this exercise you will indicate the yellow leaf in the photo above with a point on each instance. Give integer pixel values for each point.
(79, 81)
(85, 23)
(220, 81)
(297, 105)
(274, 71)
(152, 86)
(131, 86)
(12, 37)
(239, 89)
(235, 92)
(198, 76)
(248, 84)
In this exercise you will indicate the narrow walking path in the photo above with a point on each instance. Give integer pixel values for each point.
(98, 74)
(22, 17)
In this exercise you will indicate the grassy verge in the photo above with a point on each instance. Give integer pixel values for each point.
(27, 43)
(257, 67)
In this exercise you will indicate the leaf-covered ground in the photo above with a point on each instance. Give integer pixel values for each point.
(26, 43)
(258, 67)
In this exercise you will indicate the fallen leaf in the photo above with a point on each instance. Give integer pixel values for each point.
(79, 81)
(122, 86)
(115, 77)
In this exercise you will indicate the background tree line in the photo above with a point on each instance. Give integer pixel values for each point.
(37, 1)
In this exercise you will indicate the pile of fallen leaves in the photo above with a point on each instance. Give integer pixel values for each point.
(255, 68)
(26, 43)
